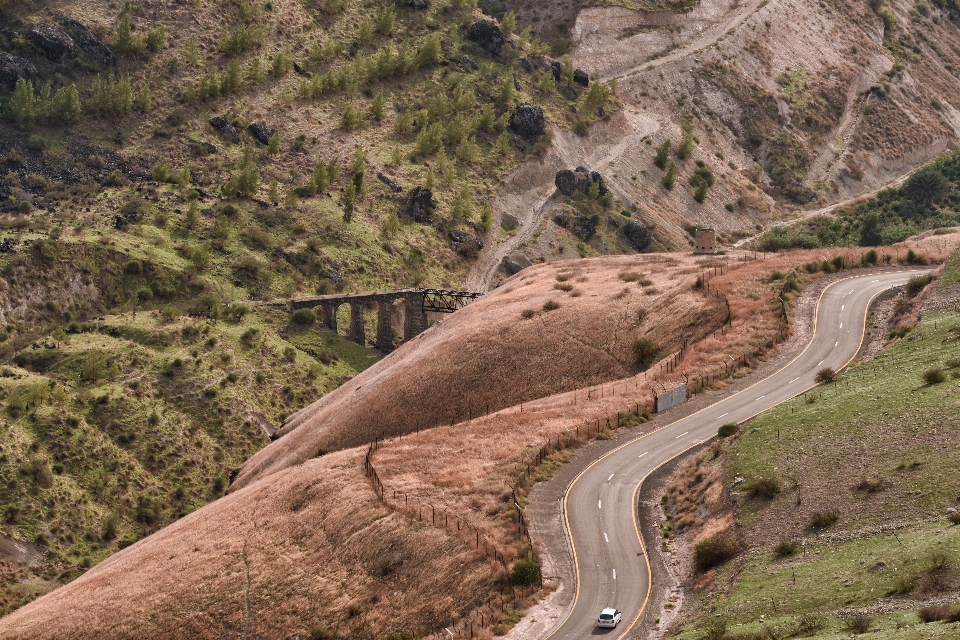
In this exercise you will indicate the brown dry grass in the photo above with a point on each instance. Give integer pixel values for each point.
(307, 549)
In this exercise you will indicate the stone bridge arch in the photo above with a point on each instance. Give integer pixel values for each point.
(409, 306)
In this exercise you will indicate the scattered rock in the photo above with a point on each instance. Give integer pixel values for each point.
(596, 177)
(121, 222)
(390, 183)
(515, 263)
(576, 182)
(421, 205)
(13, 68)
(581, 77)
(637, 235)
(260, 132)
(601, 112)
(516, 84)
(799, 192)
(8, 245)
(880, 565)
(470, 62)
(569, 92)
(226, 129)
(509, 222)
(555, 69)
(54, 44)
(299, 70)
(527, 122)
(464, 243)
(90, 43)
(419, 4)
(488, 35)
(577, 223)
(202, 148)
(527, 64)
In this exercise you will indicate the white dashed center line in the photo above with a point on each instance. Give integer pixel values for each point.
(820, 363)
(643, 454)
(726, 414)
(605, 536)
(611, 477)
(681, 435)
(599, 504)
(614, 574)
(794, 380)
(761, 397)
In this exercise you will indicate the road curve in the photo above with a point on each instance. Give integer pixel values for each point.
(599, 506)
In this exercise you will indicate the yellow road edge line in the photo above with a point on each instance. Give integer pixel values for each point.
(566, 495)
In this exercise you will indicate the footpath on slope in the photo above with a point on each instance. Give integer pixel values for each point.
(544, 511)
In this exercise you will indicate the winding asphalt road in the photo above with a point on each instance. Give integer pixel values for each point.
(599, 507)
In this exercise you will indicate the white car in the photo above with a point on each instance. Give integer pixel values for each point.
(609, 618)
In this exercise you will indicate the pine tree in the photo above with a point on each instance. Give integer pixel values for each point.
(430, 52)
(349, 194)
(66, 105)
(378, 107)
(21, 107)
(509, 23)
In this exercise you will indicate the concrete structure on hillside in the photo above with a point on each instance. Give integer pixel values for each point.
(410, 305)
(706, 241)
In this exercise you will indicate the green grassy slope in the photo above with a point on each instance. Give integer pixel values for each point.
(876, 452)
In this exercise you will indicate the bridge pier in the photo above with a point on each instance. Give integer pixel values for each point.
(357, 331)
(384, 326)
(415, 318)
(330, 310)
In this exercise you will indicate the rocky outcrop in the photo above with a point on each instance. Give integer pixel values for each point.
(581, 77)
(637, 235)
(515, 263)
(225, 129)
(527, 122)
(488, 35)
(389, 182)
(575, 222)
(509, 222)
(577, 182)
(464, 243)
(260, 132)
(89, 43)
(420, 205)
(13, 68)
(51, 41)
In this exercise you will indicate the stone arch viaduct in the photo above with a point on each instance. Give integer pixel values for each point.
(414, 303)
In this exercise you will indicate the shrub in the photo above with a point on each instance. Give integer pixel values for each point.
(934, 376)
(630, 276)
(670, 178)
(727, 430)
(304, 317)
(870, 485)
(328, 357)
(870, 257)
(645, 351)
(714, 551)
(526, 314)
(858, 624)
(823, 519)
(825, 375)
(525, 572)
(110, 525)
(916, 284)
(663, 153)
(133, 268)
(764, 487)
(786, 548)
(954, 517)
(551, 305)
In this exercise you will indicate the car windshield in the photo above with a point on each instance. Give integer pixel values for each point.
(606, 616)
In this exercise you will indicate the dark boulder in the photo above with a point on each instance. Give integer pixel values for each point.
(419, 4)
(390, 183)
(596, 177)
(527, 121)
(569, 92)
(488, 35)
(201, 148)
(90, 43)
(581, 77)
(13, 68)
(226, 129)
(566, 182)
(52, 42)
(8, 245)
(637, 235)
(555, 69)
(420, 205)
(260, 132)
(464, 243)
(509, 222)
(577, 223)
(515, 263)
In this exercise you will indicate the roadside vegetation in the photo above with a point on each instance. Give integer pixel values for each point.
(861, 535)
